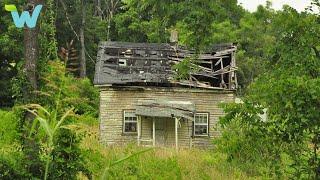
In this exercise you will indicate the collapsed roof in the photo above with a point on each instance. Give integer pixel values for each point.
(122, 63)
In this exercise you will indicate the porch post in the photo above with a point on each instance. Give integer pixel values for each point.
(138, 129)
(153, 132)
(176, 132)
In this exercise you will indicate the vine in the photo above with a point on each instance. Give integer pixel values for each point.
(48, 42)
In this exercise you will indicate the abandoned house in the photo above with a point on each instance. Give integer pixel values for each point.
(141, 101)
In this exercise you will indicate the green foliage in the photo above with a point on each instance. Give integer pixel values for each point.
(49, 148)
(289, 90)
(60, 92)
(48, 41)
(248, 143)
(256, 38)
(159, 164)
(223, 32)
(11, 166)
(95, 30)
(199, 15)
(122, 160)
(292, 93)
(9, 124)
(67, 157)
(293, 117)
(77, 93)
(62, 96)
(281, 48)
(10, 149)
(51, 122)
(11, 53)
(184, 68)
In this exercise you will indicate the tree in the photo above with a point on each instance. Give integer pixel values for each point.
(289, 89)
(31, 47)
(83, 69)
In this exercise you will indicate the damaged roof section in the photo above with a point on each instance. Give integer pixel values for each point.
(121, 63)
(166, 108)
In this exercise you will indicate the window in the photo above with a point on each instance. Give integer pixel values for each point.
(201, 124)
(122, 62)
(130, 122)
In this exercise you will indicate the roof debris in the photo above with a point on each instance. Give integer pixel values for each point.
(121, 63)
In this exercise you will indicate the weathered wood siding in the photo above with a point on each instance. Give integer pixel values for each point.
(113, 100)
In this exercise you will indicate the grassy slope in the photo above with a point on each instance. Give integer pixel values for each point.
(159, 163)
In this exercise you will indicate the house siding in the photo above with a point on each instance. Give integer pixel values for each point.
(113, 100)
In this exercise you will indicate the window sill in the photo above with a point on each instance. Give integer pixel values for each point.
(205, 135)
(129, 134)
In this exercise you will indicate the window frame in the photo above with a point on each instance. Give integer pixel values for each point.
(124, 121)
(207, 124)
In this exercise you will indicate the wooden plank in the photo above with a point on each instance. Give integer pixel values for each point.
(153, 132)
(138, 129)
(176, 132)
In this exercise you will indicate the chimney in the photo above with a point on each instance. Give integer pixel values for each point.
(174, 37)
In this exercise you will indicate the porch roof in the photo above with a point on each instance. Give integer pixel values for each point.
(166, 108)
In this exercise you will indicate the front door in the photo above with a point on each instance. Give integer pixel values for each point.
(160, 132)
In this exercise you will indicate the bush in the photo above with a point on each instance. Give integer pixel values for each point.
(67, 156)
(11, 163)
(74, 92)
(11, 155)
(62, 101)
(247, 143)
(9, 124)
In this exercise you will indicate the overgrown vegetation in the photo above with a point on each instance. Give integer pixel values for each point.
(158, 163)
(49, 116)
(287, 144)
(50, 149)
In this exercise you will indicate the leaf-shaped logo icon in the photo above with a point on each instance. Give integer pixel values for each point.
(10, 8)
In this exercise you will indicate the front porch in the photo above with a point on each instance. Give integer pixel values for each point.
(165, 123)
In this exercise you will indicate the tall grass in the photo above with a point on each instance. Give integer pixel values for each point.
(126, 162)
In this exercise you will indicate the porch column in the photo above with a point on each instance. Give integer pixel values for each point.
(153, 132)
(176, 132)
(138, 129)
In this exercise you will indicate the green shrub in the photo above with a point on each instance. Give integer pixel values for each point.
(11, 156)
(74, 92)
(62, 101)
(9, 124)
(247, 143)
(11, 166)
(67, 156)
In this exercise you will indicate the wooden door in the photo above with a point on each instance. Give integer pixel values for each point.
(160, 132)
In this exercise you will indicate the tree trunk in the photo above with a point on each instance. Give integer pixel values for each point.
(98, 8)
(31, 56)
(83, 51)
(112, 8)
(31, 48)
